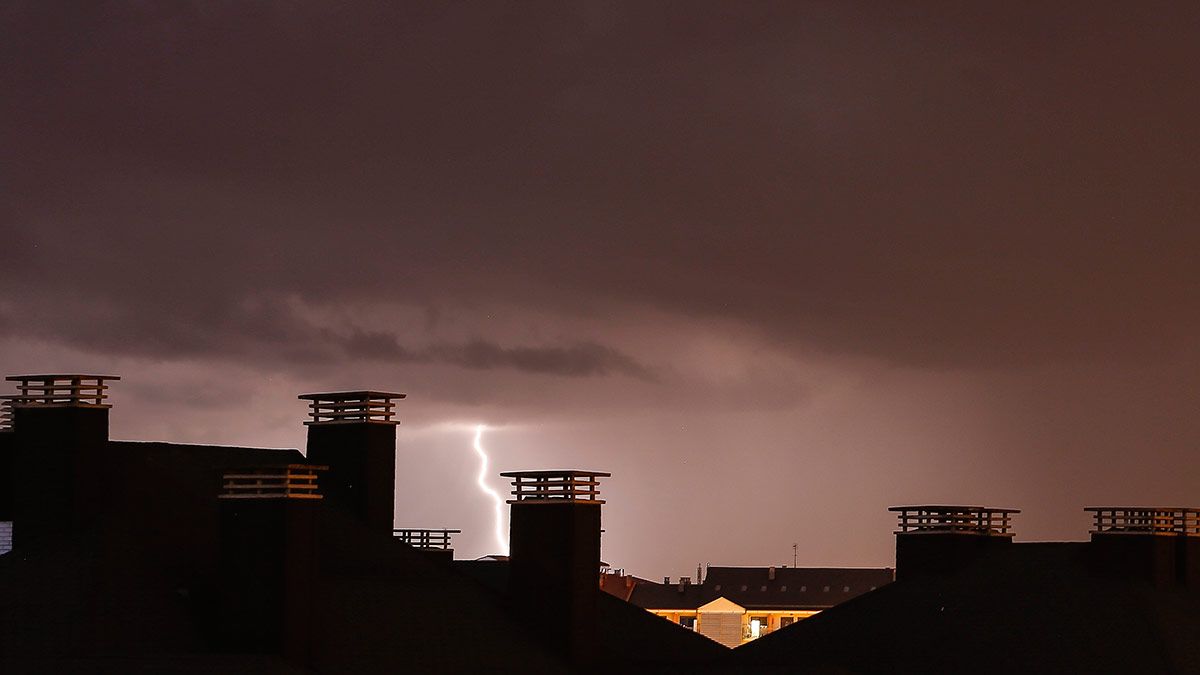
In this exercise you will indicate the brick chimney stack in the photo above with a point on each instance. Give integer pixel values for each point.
(354, 434)
(554, 553)
(268, 560)
(1159, 544)
(941, 540)
(56, 466)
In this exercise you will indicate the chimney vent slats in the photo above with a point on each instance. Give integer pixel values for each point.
(979, 520)
(351, 407)
(556, 486)
(1157, 520)
(293, 481)
(64, 391)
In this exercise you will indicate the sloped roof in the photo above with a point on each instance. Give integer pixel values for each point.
(629, 636)
(799, 588)
(1033, 607)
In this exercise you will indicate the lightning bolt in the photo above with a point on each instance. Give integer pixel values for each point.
(483, 486)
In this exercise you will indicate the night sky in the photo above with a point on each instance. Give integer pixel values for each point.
(775, 266)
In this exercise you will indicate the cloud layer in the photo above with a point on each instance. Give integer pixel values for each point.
(729, 231)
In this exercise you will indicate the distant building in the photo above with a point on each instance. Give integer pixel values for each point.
(734, 605)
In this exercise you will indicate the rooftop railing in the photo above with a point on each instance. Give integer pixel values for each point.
(292, 481)
(1163, 520)
(66, 391)
(556, 486)
(981, 520)
(423, 538)
(351, 407)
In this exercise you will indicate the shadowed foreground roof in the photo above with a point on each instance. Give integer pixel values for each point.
(629, 637)
(1032, 608)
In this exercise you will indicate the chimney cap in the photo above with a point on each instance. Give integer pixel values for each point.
(952, 508)
(286, 481)
(61, 376)
(552, 473)
(949, 519)
(1155, 520)
(556, 486)
(61, 390)
(351, 407)
(343, 395)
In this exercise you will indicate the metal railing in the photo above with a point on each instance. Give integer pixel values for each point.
(1165, 520)
(981, 520)
(556, 486)
(424, 538)
(62, 390)
(292, 481)
(346, 407)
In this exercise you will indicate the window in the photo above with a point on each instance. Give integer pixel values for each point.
(763, 588)
(786, 621)
(826, 589)
(845, 589)
(717, 587)
(743, 587)
(804, 589)
(758, 626)
(783, 589)
(688, 622)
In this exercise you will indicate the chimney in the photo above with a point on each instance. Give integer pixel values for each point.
(684, 582)
(1158, 544)
(554, 544)
(268, 560)
(354, 434)
(7, 484)
(939, 540)
(433, 543)
(771, 573)
(56, 465)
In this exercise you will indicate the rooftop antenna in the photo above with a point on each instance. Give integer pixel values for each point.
(794, 549)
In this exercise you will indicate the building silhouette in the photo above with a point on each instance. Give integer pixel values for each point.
(163, 557)
(178, 558)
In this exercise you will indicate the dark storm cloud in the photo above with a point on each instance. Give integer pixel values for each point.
(577, 360)
(931, 183)
(268, 332)
(941, 251)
